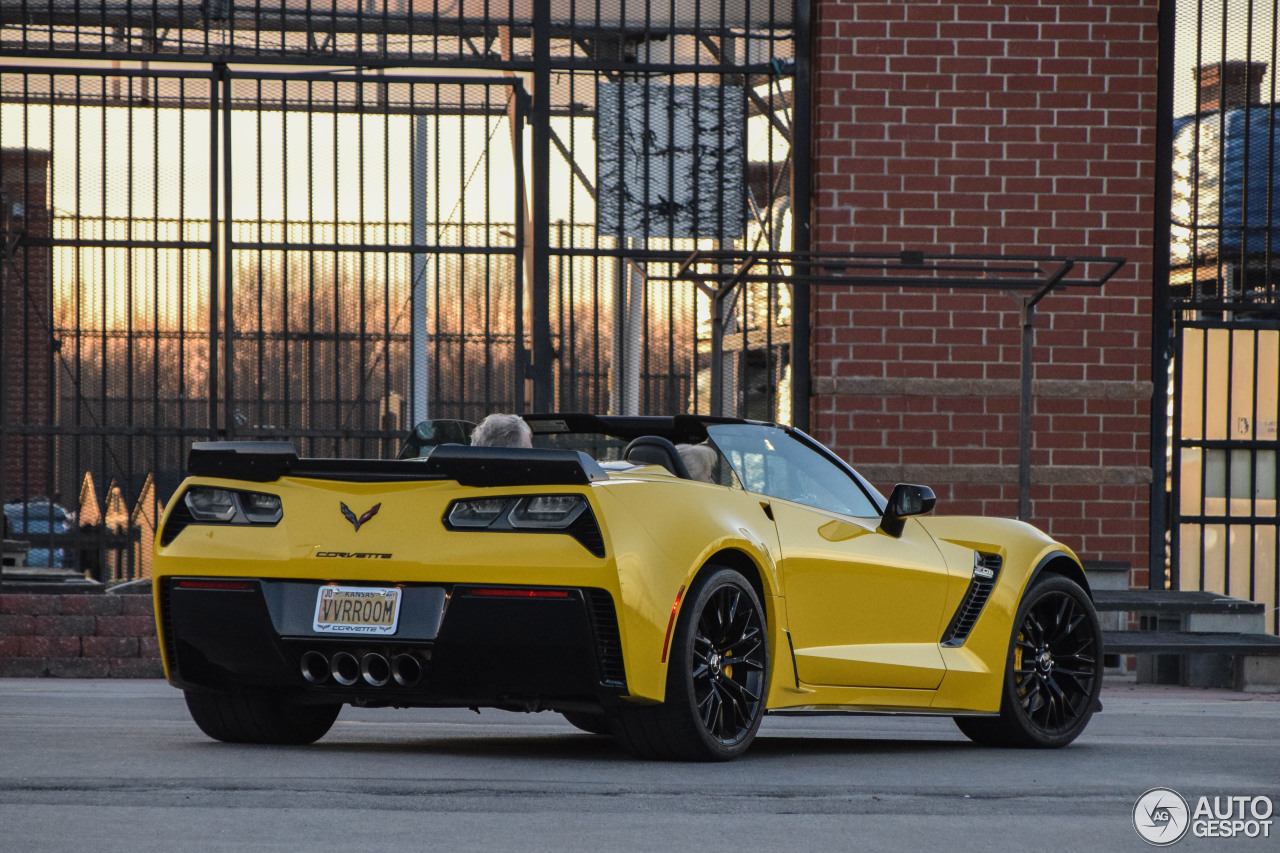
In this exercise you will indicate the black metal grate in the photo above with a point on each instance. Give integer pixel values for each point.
(587, 531)
(604, 622)
(1217, 304)
(166, 620)
(975, 599)
(195, 250)
(177, 522)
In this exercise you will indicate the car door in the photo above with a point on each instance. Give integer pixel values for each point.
(864, 609)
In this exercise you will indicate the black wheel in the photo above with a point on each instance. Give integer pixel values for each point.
(716, 678)
(259, 718)
(593, 724)
(1053, 674)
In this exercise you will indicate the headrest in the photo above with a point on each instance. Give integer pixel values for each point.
(656, 450)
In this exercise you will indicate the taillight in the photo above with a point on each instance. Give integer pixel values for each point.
(510, 592)
(239, 586)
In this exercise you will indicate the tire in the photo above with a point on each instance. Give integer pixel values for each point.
(716, 678)
(592, 724)
(1046, 700)
(259, 718)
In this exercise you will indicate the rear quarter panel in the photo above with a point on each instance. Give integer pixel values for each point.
(661, 532)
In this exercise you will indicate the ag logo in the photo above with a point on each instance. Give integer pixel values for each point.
(1161, 817)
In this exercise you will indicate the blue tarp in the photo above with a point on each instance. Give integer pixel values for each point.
(29, 519)
(1226, 183)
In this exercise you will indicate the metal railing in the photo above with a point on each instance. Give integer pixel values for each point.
(424, 210)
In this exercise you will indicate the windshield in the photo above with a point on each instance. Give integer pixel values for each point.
(602, 448)
(772, 462)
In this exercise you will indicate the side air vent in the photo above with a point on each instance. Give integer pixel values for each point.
(986, 570)
(604, 623)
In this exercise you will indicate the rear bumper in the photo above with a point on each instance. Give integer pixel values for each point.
(459, 644)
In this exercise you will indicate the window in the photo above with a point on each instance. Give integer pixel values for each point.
(769, 461)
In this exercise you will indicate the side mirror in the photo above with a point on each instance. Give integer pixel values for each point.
(906, 501)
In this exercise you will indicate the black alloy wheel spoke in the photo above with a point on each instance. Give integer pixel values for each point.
(736, 648)
(723, 616)
(1031, 696)
(1068, 661)
(1079, 652)
(1061, 619)
(1050, 709)
(1045, 706)
(1081, 680)
(738, 719)
(733, 609)
(715, 707)
(739, 631)
(1032, 629)
(741, 689)
(724, 725)
(1055, 690)
(708, 627)
(707, 707)
(1075, 624)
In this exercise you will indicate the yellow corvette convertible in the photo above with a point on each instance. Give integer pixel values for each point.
(594, 576)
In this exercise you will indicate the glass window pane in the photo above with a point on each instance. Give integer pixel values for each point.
(769, 461)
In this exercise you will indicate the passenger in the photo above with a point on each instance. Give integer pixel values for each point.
(699, 459)
(498, 430)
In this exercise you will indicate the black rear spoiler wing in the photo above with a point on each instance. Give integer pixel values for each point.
(265, 461)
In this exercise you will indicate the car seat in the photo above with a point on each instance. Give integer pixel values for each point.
(656, 450)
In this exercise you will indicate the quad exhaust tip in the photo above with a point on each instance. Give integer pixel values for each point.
(375, 669)
(406, 670)
(315, 668)
(345, 669)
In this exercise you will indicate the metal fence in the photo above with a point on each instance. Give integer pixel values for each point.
(1220, 314)
(425, 209)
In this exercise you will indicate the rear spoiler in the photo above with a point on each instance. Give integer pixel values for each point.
(265, 461)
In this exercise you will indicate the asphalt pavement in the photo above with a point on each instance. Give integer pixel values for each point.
(117, 766)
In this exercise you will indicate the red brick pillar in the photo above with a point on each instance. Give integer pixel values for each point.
(26, 350)
(1004, 127)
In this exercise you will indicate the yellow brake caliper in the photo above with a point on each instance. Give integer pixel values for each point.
(1017, 658)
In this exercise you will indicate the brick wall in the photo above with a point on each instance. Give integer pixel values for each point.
(997, 127)
(78, 636)
(25, 345)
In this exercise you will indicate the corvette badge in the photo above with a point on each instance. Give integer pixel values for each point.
(351, 516)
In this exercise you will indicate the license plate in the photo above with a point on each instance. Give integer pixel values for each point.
(356, 610)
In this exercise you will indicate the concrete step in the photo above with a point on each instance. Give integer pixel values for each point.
(1186, 643)
(1172, 601)
(1190, 610)
(1238, 660)
(1107, 574)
